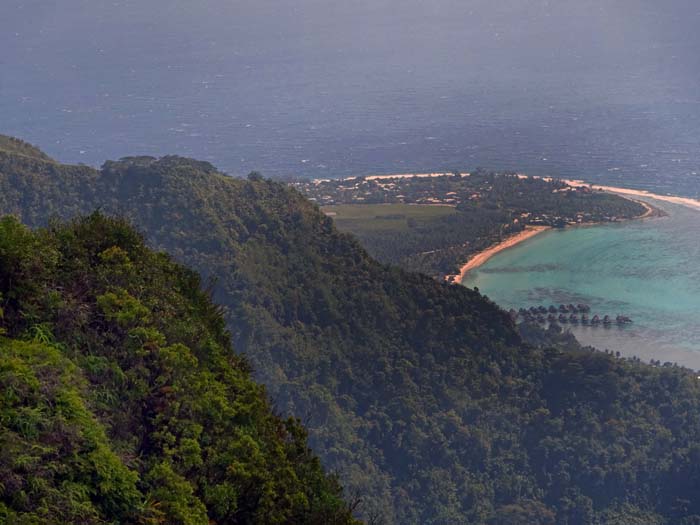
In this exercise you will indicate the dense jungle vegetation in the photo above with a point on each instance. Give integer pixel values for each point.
(121, 400)
(422, 395)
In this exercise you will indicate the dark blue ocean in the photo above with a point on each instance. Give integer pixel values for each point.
(603, 90)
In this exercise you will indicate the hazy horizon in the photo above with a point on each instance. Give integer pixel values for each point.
(590, 88)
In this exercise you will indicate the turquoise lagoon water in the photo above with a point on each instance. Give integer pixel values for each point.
(648, 270)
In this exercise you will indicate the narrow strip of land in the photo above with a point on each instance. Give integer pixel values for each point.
(683, 201)
(409, 175)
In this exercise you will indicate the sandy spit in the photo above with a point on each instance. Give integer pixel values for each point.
(683, 201)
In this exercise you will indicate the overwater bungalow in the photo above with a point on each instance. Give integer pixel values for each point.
(607, 320)
(542, 309)
(563, 318)
(552, 309)
(573, 318)
(623, 319)
(562, 308)
(583, 308)
(595, 320)
(551, 318)
(584, 319)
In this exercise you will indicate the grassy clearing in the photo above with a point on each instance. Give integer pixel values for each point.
(386, 217)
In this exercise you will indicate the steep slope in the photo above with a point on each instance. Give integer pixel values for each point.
(420, 394)
(15, 146)
(121, 400)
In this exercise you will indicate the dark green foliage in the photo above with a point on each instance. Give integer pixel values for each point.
(55, 461)
(422, 395)
(122, 401)
(15, 146)
(437, 247)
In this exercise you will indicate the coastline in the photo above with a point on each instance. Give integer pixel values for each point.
(530, 231)
(674, 199)
(481, 257)
(683, 201)
(410, 175)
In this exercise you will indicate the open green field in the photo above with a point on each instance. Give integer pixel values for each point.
(385, 217)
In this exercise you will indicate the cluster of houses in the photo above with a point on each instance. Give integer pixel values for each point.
(437, 189)
(398, 189)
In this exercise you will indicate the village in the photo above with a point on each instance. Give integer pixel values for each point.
(520, 194)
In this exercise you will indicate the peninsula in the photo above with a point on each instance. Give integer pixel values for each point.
(674, 199)
(434, 222)
(531, 231)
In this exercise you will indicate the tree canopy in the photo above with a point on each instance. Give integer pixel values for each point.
(121, 400)
(421, 395)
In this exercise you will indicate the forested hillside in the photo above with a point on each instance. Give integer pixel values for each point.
(121, 400)
(421, 394)
(15, 146)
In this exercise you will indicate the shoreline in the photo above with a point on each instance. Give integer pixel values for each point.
(481, 257)
(673, 199)
(576, 183)
(530, 231)
(410, 175)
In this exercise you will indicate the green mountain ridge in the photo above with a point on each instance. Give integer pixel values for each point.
(16, 146)
(421, 395)
(121, 400)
